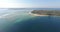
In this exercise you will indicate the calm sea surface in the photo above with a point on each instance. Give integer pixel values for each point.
(21, 21)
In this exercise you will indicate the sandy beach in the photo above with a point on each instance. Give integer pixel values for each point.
(36, 14)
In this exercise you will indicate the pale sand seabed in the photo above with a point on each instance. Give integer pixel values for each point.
(36, 14)
(8, 15)
(3, 15)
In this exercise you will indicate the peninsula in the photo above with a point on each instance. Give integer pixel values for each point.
(45, 12)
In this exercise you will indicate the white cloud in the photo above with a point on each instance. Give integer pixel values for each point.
(27, 4)
(12, 4)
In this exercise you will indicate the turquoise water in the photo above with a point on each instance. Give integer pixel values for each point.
(37, 24)
(12, 18)
(21, 21)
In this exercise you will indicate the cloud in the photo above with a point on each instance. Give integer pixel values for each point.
(29, 4)
(14, 5)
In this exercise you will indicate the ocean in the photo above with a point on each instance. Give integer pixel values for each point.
(19, 20)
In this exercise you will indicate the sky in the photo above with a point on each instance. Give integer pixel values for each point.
(29, 3)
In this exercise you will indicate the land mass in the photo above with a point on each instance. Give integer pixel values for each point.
(45, 12)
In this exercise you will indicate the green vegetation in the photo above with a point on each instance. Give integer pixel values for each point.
(47, 12)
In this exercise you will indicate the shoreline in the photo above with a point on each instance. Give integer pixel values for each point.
(36, 14)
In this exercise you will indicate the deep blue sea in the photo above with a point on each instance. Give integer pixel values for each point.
(19, 20)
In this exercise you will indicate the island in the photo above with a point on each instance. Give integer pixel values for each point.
(45, 12)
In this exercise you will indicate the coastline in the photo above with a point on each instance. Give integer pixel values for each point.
(36, 14)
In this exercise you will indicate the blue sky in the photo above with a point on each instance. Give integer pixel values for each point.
(29, 3)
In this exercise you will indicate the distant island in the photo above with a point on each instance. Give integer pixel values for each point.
(45, 12)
